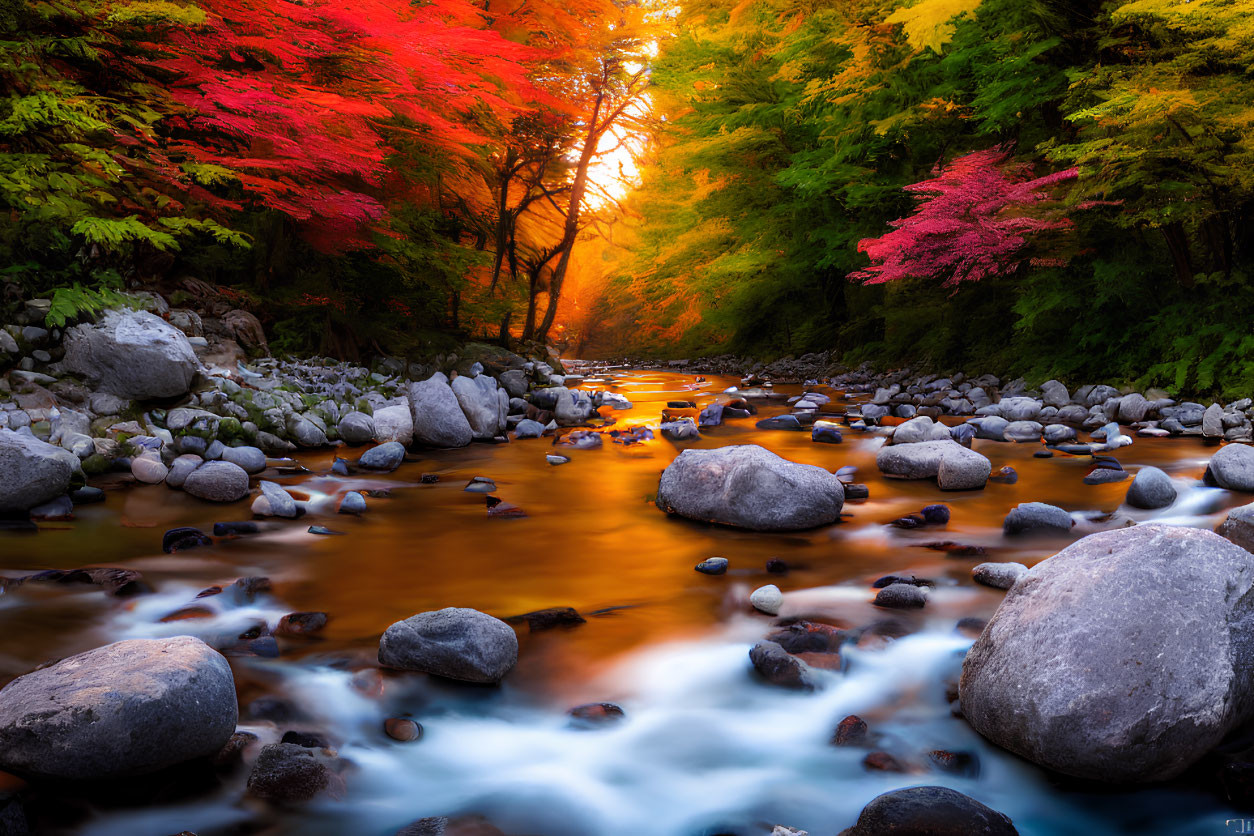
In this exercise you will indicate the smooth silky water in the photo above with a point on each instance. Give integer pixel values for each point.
(705, 748)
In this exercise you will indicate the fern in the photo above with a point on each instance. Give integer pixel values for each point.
(75, 302)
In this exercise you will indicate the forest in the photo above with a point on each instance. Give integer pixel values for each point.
(1052, 189)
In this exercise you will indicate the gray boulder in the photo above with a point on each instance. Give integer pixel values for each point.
(128, 708)
(573, 407)
(1151, 488)
(919, 429)
(1055, 394)
(132, 354)
(275, 502)
(1019, 409)
(1213, 421)
(750, 487)
(455, 643)
(1023, 431)
(1232, 468)
(180, 469)
(32, 471)
(528, 429)
(481, 401)
(1126, 657)
(437, 416)
(1238, 527)
(1037, 518)
(929, 811)
(998, 575)
(394, 423)
(991, 427)
(384, 457)
(249, 459)
(1132, 408)
(514, 382)
(217, 482)
(357, 428)
(963, 470)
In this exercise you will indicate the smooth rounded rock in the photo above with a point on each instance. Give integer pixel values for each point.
(386, 457)
(749, 487)
(132, 354)
(32, 472)
(712, 566)
(128, 708)
(1126, 657)
(353, 503)
(929, 811)
(455, 643)
(149, 469)
(1151, 488)
(1037, 518)
(217, 482)
(249, 459)
(998, 575)
(1232, 468)
(767, 599)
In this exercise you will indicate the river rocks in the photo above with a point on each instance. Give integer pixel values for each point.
(149, 469)
(358, 428)
(990, 427)
(386, 457)
(1232, 468)
(455, 643)
(249, 459)
(1059, 434)
(132, 354)
(1037, 518)
(1023, 431)
(778, 667)
(353, 503)
(183, 538)
(998, 575)
(1151, 488)
(289, 772)
(573, 407)
(481, 401)
(32, 472)
(920, 429)
(528, 428)
(438, 420)
(929, 811)
(1047, 681)
(767, 599)
(1019, 409)
(128, 708)
(1054, 394)
(275, 502)
(1239, 527)
(217, 482)
(749, 487)
(393, 423)
(901, 596)
(825, 432)
(1213, 421)
(963, 470)
(712, 566)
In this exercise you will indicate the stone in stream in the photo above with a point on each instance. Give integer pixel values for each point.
(484, 404)
(934, 811)
(217, 482)
(1104, 476)
(301, 624)
(538, 621)
(480, 484)
(128, 708)
(1151, 489)
(131, 354)
(385, 457)
(780, 422)
(87, 495)
(32, 472)
(275, 502)
(935, 514)
(808, 637)
(235, 529)
(1232, 468)
(767, 599)
(250, 459)
(683, 430)
(554, 459)
(182, 539)
(826, 432)
(288, 772)
(180, 469)
(851, 731)
(1007, 475)
(353, 503)
(901, 596)
(438, 420)
(528, 429)
(455, 643)
(998, 575)
(56, 510)
(322, 530)
(749, 487)
(357, 428)
(149, 469)
(712, 566)
(955, 467)
(778, 667)
(595, 715)
(1238, 527)
(1046, 681)
(402, 730)
(1037, 518)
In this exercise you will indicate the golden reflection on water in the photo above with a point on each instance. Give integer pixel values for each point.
(592, 540)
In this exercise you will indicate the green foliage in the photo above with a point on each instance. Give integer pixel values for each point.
(78, 302)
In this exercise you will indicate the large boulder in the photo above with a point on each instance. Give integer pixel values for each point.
(438, 418)
(454, 642)
(394, 423)
(1238, 527)
(128, 708)
(217, 482)
(1151, 488)
(749, 487)
(929, 811)
(1037, 518)
(132, 354)
(32, 472)
(1232, 468)
(1125, 657)
(954, 466)
(1054, 394)
(358, 428)
(481, 400)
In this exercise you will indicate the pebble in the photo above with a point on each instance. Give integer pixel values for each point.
(594, 714)
(901, 596)
(182, 539)
(353, 503)
(402, 730)
(554, 459)
(712, 566)
(767, 599)
(321, 529)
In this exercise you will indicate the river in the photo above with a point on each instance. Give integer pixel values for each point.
(705, 748)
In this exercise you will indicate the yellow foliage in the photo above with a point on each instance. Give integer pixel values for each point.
(930, 23)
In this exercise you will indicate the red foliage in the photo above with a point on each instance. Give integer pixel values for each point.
(975, 219)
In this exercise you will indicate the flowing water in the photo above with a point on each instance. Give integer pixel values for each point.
(705, 747)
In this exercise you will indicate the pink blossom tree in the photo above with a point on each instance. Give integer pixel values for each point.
(976, 218)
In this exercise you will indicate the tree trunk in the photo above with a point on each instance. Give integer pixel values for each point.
(1178, 245)
(1219, 242)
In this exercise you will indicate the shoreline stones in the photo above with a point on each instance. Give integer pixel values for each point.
(1047, 680)
(455, 643)
(936, 811)
(132, 354)
(128, 708)
(217, 482)
(32, 472)
(748, 486)
(438, 420)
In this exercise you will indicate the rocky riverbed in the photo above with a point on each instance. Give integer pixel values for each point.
(490, 594)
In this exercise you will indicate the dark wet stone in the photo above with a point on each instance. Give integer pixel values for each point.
(908, 522)
(1043, 454)
(119, 582)
(851, 731)
(780, 422)
(323, 530)
(402, 730)
(935, 811)
(430, 478)
(966, 764)
(339, 467)
(301, 624)
(901, 596)
(854, 490)
(776, 566)
(936, 514)
(1075, 449)
(712, 566)
(235, 529)
(952, 549)
(287, 772)
(480, 484)
(273, 708)
(183, 539)
(1006, 476)
(1104, 476)
(87, 495)
(265, 647)
(499, 509)
(232, 752)
(596, 714)
(882, 762)
(777, 667)
(246, 590)
(680, 405)
(889, 580)
(808, 637)
(547, 619)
